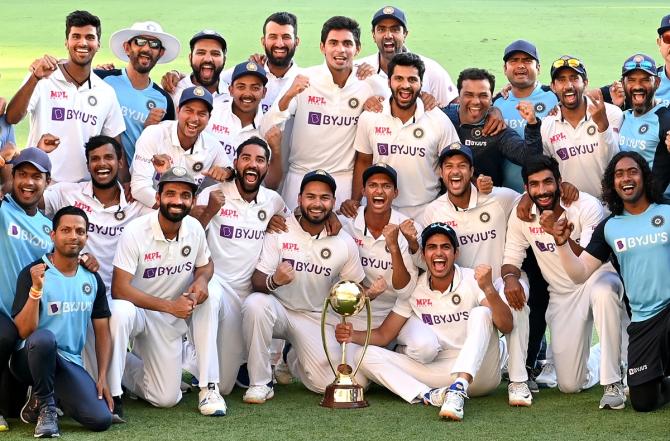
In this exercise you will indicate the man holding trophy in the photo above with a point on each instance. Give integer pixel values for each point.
(292, 280)
(464, 311)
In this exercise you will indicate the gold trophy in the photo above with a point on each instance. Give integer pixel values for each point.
(347, 299)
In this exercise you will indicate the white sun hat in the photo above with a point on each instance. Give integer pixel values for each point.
(150, 29)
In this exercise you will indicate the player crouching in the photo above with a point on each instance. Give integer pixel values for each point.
(462, 312)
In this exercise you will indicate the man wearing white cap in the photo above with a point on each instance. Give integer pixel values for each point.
(142, 101)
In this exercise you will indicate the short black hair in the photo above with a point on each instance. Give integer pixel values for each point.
(537, 163)
(473, 73)
(283, 18)
(98, 141)
(407, 59)
(341, 23)
(612, 198)
(255, 140)
(82, 18)
(68, 210)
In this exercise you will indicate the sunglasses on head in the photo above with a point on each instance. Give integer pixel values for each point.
(141, 41)
(666, 38)
(570, 62)
(644, 64)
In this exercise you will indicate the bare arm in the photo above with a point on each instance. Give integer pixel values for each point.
(381, 336)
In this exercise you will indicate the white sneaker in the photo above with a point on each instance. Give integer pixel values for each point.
(258, 394)
(614, 397)
(435, 397)
(452, 408)
(211, 403)
(547, 378)
(283, 373)
(519, 394)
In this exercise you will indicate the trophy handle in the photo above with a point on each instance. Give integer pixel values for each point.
(323, 334)
(367, 335)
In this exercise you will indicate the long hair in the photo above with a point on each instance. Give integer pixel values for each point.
(612, 198)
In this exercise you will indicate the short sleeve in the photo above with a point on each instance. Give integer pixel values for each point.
(100, 304)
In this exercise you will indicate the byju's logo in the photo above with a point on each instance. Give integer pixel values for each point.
(227, 231)
(427, 319)
(620, 244)
(58, 114)
(13, 230)
(563, 154)
(383, 149)
(314, 118)
(53, 308)
(149, 273)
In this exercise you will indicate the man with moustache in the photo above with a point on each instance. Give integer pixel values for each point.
(405, 136)
(389, 31)
(143, 102)
(235, 215)
(573, 307)
(635, 235)
(583, 135)
(646, 124)
(162, 268)
(104, 202)
(295, 272)
(179, 143)
(324, 102)
(68, 101)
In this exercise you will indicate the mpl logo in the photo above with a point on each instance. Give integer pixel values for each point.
(314, 118)
(383, 149)
(155, 255)
(558, 137)
(424, 302)
(317, 100)
(382, 130)
(58, 114)
(58, 94)
(228, 212)
(83, 206)
(290, 246)
(218, 128)
(53, 308)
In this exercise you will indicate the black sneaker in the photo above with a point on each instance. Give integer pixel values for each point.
(47, 423)
(31, 410)
(531, 383)
(117, 414)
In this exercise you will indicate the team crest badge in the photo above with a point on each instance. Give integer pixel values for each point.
(252, 66)
(86, 288)
(179, 171)
(353, 103)
(485, 217)
(197, 167)
(657, 221)
(46, 229)
(418, 133)
(456, 299)
(388, 10)
(476, 133)
(539, 107)
(591, 130)
(326, 253)
(643, 129)
(151, 104)
(638, 58)
(92, 100)
(186, 251)
(320, 172)
(199, 91)
(120, 215)
(262, 215)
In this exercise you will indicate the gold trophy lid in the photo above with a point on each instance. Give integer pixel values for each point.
(347, 298)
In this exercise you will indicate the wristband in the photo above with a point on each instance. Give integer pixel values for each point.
(510, 274)
(35, 294)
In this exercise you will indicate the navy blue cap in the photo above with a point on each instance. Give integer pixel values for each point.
(249, 68)
(665, 25)
(390, 12)
(639, 62)
(570, 62)
(456, 148)
(439, 228)
(380, 167)
(197, 93)
(320, 176)
(34, 156)
(208, 34)
(521, 46)
(178, 174)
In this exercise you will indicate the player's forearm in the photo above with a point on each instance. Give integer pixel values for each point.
(284, 102)
(203, 214)
(205, 272)
(18, 105)
(501, 314)
(275, 170)
(259, 282)
(143, 190)
(362, 162)
(27, 320)
(125, 291)
(103, 345)
(510, 271)
(573, 265)
(400, 276)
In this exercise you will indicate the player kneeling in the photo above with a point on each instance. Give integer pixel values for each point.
(463, 313)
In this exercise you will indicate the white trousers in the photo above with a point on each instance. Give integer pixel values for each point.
(292, 181)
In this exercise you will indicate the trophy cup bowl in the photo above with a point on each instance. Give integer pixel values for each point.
(346, 298)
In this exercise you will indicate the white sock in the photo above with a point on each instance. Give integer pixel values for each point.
(464, 382)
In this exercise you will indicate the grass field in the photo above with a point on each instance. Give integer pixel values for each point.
(459, 34)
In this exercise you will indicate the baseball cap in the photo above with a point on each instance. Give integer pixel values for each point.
(380, 167)
(197, 93)
(665, 25)
(390, 12)
(178, 174)
(456, 148)
(320, 176)
(249, 68)
(639, 62)
(569, 61)
(438, 228)
(208, 34)
(34, 156)
(148, 28)
(521, 46)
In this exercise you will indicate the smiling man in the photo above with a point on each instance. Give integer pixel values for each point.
(67, 100)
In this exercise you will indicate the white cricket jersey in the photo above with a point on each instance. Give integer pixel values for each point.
(324, 120)
(582, 152)
(446, 313)
(162, 139)
(235, 235)
(319, 262)
(274, 85)
(436, 80)
(585, 214)
(221, 95)
(412, 148)
(227, 128)
(481, 227)
(72, 114)
(105, 223)
(376, 261)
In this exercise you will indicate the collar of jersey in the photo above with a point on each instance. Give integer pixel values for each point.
(299, 230)
(87, 190)
(458, 278)
(420, 110)
(92, 80)
(359, 222)
(124, 74)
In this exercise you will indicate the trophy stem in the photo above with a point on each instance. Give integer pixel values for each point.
(344, 345)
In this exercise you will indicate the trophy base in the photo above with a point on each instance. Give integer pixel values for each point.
(344, 396)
